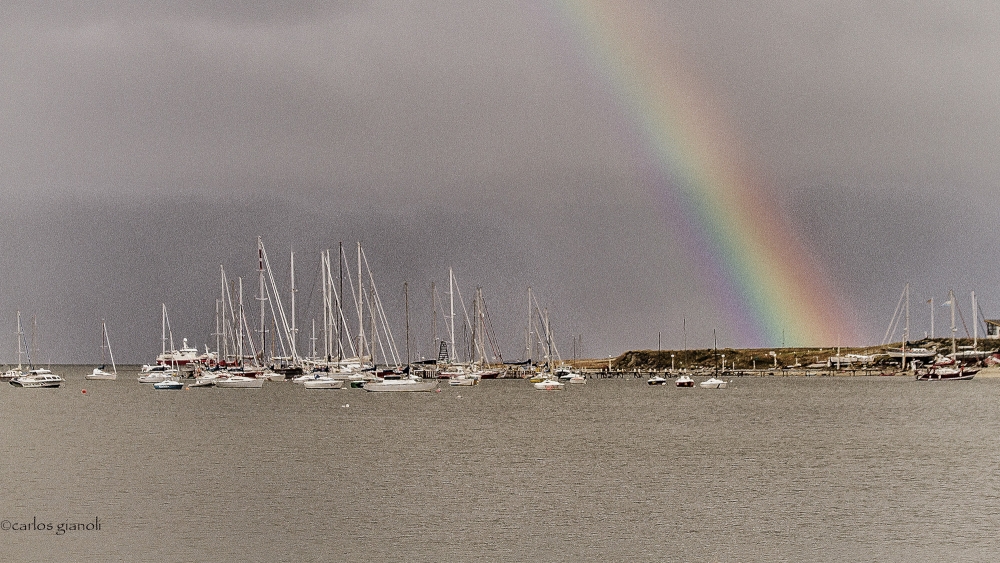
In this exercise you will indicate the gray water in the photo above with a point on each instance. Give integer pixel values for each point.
(772, 469)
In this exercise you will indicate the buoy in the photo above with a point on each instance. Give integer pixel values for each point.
(84, 391)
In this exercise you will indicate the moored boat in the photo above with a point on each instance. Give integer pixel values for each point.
(550, 384)
(323, 383)
(38, 378)
(168, 384)
(239, 382)
(401, 384)
(713, 383)
(684, 381)
(948, 373)
(155, 373)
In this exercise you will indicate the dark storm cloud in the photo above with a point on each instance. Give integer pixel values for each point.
(393, 100)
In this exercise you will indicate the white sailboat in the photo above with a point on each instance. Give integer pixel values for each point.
(396, 383)
(99, 372)
(36, 377)
(19, 370)
(323, 382)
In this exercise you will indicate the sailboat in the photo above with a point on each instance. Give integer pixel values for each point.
(99, 372)
(36, 377)
(19, 370)
(955, 371)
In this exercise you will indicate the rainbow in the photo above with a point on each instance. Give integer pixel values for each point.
(768, 285)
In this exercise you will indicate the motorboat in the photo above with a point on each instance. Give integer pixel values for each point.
(566, 373)
(463, 380)
(323, 383)
(684, 381)
(169, 384)
(550, 384)
(397, 383)
(713, 383)
(239, 382)
(12, 373)
(155, 373)
(657, 380)
(38, 378)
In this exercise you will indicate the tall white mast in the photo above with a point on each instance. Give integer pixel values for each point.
(260, 257)
(951, 300)
(324, 258)
(451, 298)
(906, 329)
(239, 325)
(294, 330)
(361, 310)
(975, 323)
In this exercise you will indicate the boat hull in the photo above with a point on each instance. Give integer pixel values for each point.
(35, 384)
(239, 383)
(99, 374)
(400, 386)
(324, 383)
(462, 381)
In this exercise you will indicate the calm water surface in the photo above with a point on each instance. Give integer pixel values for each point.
(772, 469)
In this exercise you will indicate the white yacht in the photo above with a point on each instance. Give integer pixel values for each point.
(550, 384)
(155, 374)
(38, 378)
(713, 383)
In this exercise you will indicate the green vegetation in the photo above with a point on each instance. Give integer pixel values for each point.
(747, 358)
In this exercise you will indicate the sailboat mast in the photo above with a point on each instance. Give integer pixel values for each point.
(324, 263)
(340, 307)
(20, 340)
(528, 340)
(951, 299)
(107, 340)
(406, 301)
(434, 317)
(451, 298)
(260, 255)
(163, 328)
(294, 330)
(361, 310)
(975, 323)
(906, 329)
(239, 325)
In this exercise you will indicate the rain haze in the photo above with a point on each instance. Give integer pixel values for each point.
(146, 146)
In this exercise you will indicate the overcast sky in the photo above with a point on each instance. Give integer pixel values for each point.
(147, 144)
